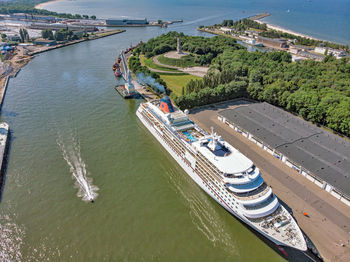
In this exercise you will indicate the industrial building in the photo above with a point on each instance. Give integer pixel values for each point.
(23, 16)
(58, 26)
(273, 42)
(122, 22)
(320, 156)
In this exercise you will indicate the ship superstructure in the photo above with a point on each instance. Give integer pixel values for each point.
(223, 172)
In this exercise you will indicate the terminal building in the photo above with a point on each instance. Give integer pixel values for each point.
(320, 156)
(122, 22)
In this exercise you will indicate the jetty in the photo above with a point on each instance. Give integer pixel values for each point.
(259, 16)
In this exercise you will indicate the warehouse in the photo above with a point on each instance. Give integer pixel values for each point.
(117, 22)
(320, 156)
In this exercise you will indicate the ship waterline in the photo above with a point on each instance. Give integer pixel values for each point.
(225, 174)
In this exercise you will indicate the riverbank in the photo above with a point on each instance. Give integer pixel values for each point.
(24, 54)
(93, 37)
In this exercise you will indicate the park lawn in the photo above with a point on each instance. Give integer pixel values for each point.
(149, 63)
(176, 82)
(185, 61)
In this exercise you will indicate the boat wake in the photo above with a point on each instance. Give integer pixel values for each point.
(203, 215)
(71, 153)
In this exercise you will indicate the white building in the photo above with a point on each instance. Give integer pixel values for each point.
(330, 51)
(226, 29)
(296, 58)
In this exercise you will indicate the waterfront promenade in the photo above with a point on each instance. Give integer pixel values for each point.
(328, 220)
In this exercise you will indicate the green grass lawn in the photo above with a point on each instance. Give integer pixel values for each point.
(176, 82)
(185, 61)
(149, 63)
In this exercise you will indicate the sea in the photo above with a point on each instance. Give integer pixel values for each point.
(74, 139)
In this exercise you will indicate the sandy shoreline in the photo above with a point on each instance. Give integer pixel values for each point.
(270, 26)
(278, 28)
(42, 5)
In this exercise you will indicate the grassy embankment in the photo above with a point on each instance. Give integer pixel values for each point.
(150, 64)
(177, 82)
(175, 79)
(185, 61)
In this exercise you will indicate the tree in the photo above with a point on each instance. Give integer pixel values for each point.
(160, 21)
(59, 35)
(85, 16)
(47, 34)
(93, 17)
(23, 35)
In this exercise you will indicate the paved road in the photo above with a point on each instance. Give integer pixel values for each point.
(328, 224)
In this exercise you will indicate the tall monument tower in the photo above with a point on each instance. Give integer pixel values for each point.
(178, 49)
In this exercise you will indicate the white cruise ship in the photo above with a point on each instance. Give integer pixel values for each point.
(224, 173)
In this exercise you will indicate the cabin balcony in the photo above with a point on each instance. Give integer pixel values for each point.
(244, 188)
(242, 178)
(262, 209)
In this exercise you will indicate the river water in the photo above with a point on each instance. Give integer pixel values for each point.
(73, 139)
(68, 125)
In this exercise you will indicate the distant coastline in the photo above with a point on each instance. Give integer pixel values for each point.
(270, 26)
(42, 5)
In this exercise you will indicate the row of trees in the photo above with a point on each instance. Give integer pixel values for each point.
(207, 95)
(60, 35)
(244, 24)
(23, 33)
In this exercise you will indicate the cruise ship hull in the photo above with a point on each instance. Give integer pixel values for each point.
(191, 172)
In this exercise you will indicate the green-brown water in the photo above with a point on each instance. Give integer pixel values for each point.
(62, 105)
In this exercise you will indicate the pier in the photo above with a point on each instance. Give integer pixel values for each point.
(259, 16)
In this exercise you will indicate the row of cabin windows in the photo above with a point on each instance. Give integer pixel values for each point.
(203, 170)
